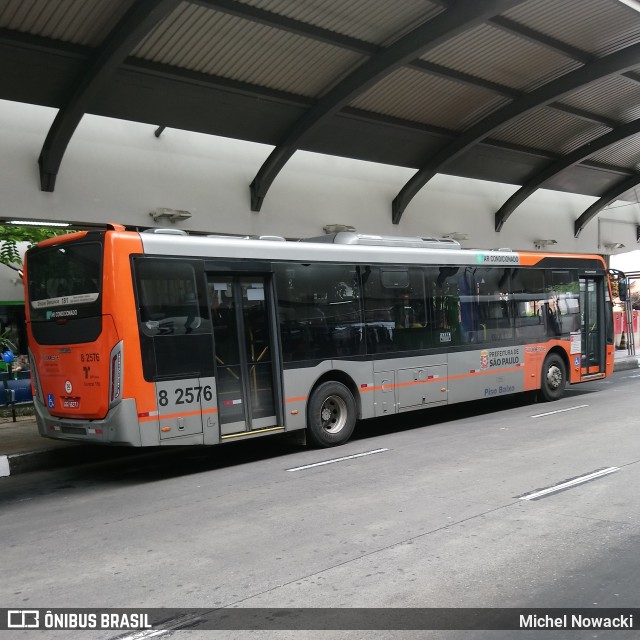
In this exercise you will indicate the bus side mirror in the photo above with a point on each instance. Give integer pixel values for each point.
(623, 290)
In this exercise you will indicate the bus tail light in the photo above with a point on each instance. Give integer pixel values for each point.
(115, 375)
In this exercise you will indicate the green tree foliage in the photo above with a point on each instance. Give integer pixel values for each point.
(11, 235)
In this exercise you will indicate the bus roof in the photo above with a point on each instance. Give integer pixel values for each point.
(375, 249)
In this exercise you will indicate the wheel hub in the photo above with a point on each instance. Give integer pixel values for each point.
(554, 377)
(333, 414)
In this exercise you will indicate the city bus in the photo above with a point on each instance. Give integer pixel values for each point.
(163, 338)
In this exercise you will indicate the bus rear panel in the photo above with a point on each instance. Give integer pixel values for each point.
(77, 340)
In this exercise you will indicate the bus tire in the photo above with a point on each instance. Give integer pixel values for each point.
(331, 415)
(553, 379)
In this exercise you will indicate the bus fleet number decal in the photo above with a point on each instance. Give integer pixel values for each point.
(186, 396)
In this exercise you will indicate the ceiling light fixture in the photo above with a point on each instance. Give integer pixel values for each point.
(38, 223)
(613, 245)
(337, 228)
(171, 214)
(634, 4)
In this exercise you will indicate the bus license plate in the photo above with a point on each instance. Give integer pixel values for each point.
(72, 403)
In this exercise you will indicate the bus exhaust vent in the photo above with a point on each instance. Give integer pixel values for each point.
(417, 242)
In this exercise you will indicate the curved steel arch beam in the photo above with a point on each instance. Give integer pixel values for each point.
(606, 199)
(141, 17)
(290, 25)
(569, 160)
(458, 18)
(602, 67)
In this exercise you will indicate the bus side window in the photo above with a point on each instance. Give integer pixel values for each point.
(563, 292)
(443, 306)
(319, 310)
(175, 330)
(489, 289)
(529, 304)
(394, 309)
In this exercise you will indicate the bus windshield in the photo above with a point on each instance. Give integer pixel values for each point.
(65, 276)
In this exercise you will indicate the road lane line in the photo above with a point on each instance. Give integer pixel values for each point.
(550, 413)
(569, 483)
(320, 464)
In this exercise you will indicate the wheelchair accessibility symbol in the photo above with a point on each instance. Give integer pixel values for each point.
(50, 401)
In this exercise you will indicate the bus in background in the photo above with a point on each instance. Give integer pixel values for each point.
(160, 338)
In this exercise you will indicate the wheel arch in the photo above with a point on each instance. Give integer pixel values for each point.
(552, 384)
(558, 350)
(336, 375)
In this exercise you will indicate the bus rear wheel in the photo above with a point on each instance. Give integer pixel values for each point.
(554, 378)
(331, 415)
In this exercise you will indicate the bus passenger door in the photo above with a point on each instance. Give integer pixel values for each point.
(244, 339)
(592, 326)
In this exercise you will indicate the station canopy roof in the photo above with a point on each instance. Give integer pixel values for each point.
(538, 93)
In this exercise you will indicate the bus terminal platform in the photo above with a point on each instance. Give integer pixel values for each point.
(23, 449)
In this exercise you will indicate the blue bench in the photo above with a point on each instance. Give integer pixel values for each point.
(17, 393)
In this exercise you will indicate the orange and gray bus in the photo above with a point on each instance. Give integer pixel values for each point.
(162, 338)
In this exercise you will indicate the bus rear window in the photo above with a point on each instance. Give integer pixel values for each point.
(65, 281)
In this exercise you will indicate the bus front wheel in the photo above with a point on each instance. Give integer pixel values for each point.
(554, 378)
(331, 415)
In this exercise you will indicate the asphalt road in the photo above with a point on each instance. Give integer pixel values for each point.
(433, 516)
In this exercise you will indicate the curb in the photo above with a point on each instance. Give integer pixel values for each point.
(626, 364)
(25, 461)
(70, 456)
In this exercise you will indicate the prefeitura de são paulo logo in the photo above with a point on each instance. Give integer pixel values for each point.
(484, 360)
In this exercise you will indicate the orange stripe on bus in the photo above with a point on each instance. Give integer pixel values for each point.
(185, 414)
(170, 416)
(443, 378)
(485, 373)
(296, 399)
(412, 383)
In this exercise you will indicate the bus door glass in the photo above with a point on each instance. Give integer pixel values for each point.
(176, 343)
(592, 337)
(244, 352)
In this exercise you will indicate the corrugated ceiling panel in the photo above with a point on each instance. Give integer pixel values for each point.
(595, 26)
(623, 154)
(616, 97)
(206, 41)
(375, 21)
(550, 130)
(419, 97)
(498, 56)
(84, 22)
